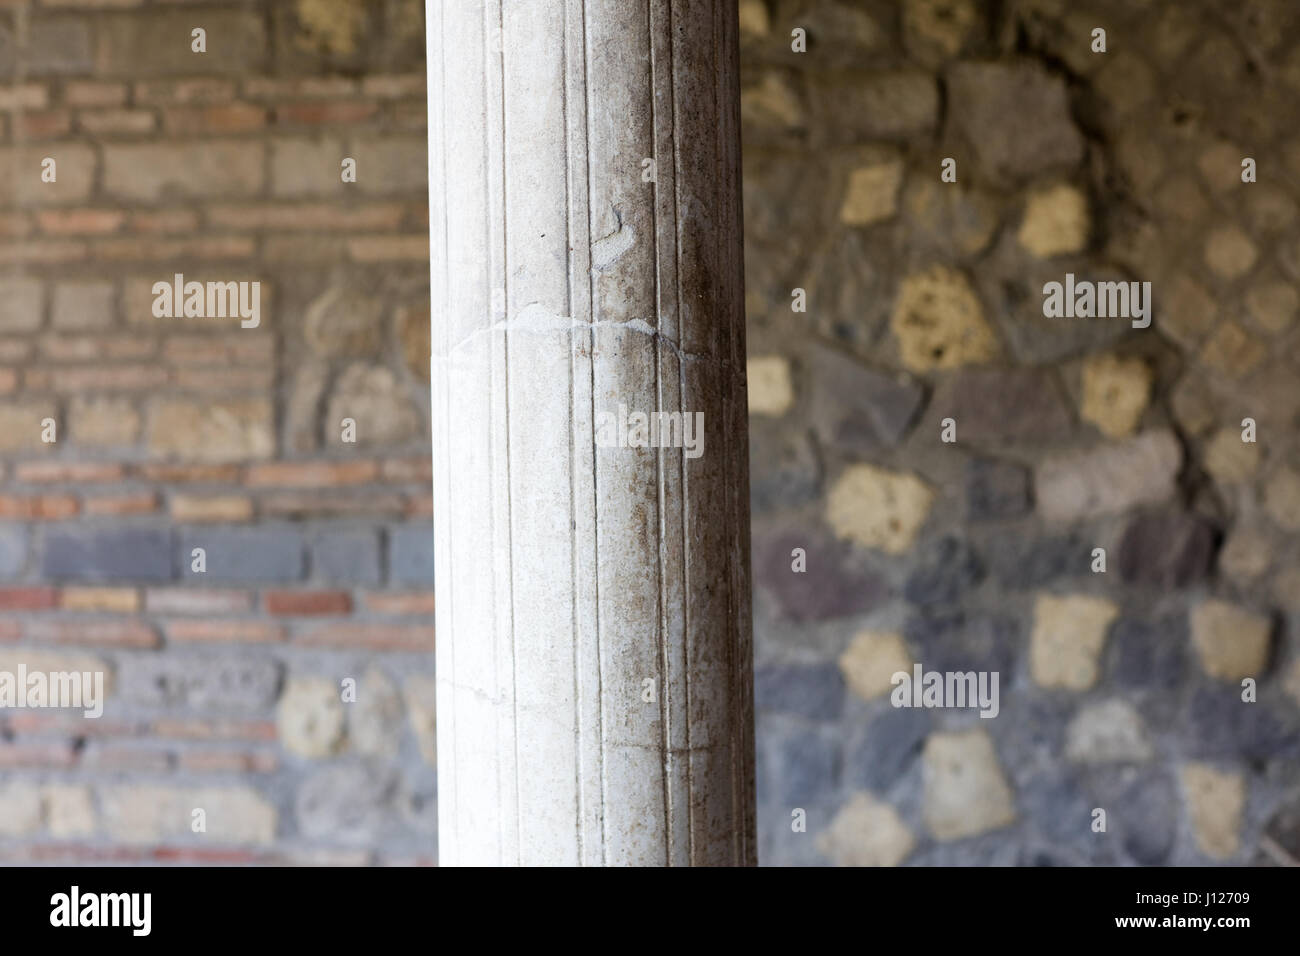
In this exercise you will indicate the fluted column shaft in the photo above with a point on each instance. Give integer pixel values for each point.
(594, 664)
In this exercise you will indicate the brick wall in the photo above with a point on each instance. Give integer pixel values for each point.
(180, 433)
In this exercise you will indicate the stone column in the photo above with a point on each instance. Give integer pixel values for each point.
(594, 644)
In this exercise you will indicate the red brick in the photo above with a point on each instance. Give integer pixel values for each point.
(85, 93)
(230, 118)
(205, 729)
(183, 474)
(73, 853)
(312, 856)
(117, 600)
(306, 505)
(196, 601)
(38, 507)
(116, 122)
(127, 759)
(189, 91)
(143, 503)
(410, 116)
(164, 221)
(396, 86)
(66, 222)
(45, 755)
(330, 87)
(103, 378)
(311, 474)
(417, 603)
(93, 633)
(373, 637)
(54, 472)
(410, 470)
(88, 348)
(324, 113)
(205, 856)
(14, 225)
(236, 347)
(222, 509)
(242, 380)
(419, 506)
(228, 632)
(222, 247)
(65, 724)
(303, 248)
(229, 761)
(93, 4)
(389, 248)
(303, 603)
(28, 599)
(45, 124)
(42, 252)
(28, 96)
(14, 350)
(307, 216)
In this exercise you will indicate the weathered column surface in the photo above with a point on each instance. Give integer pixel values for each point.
(594, 646)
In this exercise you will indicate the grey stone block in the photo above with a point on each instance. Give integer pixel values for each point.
(200, 682)
(13, 550)
(118, 554)
(858, 409)
(832, 586)
(59, 46)
(996, 489)
(410, 555)
(948, 569)
(247, 555)
(349, 802)
(886, 748)
(814, 690)
(346, 557)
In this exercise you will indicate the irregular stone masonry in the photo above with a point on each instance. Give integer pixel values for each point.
(1075, 502)
(171, 435)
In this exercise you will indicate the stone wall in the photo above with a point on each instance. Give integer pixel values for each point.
(1120, 690)
(921, 302)
(173, 434)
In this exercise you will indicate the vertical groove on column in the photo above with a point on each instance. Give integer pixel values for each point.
(573, 455)
(679, 318)
(727, 353)
(661, 612)
(598, 669)
(673, 624)
(583, 480)
(443, 607)
(513, 725)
